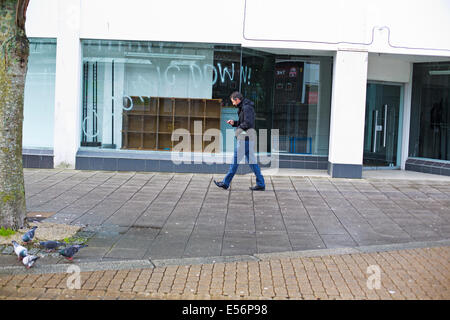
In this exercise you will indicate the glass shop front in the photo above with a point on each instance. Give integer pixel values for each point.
(136, 94)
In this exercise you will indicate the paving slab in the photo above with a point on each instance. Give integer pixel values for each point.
(170, 215)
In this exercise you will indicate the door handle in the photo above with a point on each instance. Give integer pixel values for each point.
(377, 128)
(385, 124)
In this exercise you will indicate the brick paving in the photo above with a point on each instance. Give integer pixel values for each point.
(422, 273)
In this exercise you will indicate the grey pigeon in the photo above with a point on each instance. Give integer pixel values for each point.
(70, 251)
(51, 245)
(29, 235)
(29, 260)
(20, 251)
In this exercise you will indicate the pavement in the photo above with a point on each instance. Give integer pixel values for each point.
(178, 236)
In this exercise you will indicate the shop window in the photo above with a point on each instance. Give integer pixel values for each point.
(39, 97)
(430, 116)
(135, 94)
(291, 94)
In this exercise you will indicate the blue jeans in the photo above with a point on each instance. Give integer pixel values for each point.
(251, 159)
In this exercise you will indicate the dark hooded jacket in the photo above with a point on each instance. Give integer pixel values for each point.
(246, 113)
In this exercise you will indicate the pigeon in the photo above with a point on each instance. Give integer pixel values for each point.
(19, 250)
(70, 251)
(29, 235)
(51, 245)
(29, 260)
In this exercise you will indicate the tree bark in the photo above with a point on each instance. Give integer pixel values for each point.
(14, 50)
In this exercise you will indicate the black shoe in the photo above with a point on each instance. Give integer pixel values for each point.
(221, 185)
(257, 188)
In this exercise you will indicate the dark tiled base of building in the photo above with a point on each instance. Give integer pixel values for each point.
(350, 171)
(428, 166)
(35, 158)
(84, 162)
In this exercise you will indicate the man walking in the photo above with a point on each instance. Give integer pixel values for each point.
(246, 137)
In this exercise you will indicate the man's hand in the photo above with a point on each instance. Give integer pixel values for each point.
(230, 122)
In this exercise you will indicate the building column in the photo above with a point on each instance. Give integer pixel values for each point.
(407, 99)
(348, 107)
(67, 128)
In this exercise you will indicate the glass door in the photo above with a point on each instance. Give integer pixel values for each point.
(381, 134)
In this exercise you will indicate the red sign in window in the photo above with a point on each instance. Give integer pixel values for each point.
(313, 97)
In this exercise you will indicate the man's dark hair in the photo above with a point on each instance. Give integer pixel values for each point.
(237, 95)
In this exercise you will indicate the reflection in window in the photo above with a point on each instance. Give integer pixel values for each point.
(39, 97)
(430, 116)
(135, 94)
(291, 94)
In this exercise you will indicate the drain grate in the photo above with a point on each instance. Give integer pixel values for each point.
(143, 227)
(38, 216)
(137, 226)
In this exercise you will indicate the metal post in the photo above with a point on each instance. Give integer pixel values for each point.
(94, 102)
(112, 103)
(112, 145)
(85, 98)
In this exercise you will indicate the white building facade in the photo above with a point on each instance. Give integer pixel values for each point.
(339, 85)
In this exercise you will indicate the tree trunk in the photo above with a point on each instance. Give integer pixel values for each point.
(14, 49)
